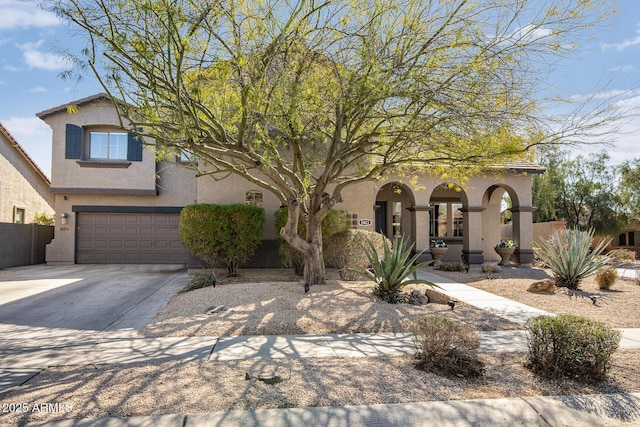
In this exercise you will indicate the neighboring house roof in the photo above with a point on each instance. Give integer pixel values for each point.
(79, 103)
(24, 155)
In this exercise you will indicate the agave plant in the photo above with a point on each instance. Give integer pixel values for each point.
(392, 272)
(568, 255)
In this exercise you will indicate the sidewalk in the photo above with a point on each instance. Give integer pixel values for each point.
(25, 351)
(571, 411)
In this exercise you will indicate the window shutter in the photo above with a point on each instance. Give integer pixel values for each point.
(134, 147)
(73, 142)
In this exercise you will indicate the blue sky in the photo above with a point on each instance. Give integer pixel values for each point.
(30, 69)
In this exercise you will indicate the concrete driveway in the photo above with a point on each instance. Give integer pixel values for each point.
(101, 298)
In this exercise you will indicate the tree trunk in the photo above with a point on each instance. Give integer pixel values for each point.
(314, 271)
(311, 247)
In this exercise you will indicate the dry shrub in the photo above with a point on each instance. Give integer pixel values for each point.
(621, 256)
(447, 348)
(606, 277)
(453, 266)
(345, 250)
(570, 346)
(491, 267)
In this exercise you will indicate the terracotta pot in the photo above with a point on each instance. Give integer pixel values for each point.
(505, 254)
(437, 254)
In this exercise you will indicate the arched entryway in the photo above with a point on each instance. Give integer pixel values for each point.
(504, 217)
(447, 219)
(392, 215)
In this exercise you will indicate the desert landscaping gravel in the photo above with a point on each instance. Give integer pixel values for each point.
(274, 302)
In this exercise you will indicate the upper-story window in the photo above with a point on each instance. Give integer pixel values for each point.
(185, 157)
(102, 144)
(108, 145)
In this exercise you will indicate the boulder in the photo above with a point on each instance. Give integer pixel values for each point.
(437, 297)
(418, 298)
(546, 285)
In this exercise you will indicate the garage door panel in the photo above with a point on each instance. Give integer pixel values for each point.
(98, 244)
(128, 238)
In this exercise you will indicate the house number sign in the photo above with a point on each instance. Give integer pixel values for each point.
(364, 222)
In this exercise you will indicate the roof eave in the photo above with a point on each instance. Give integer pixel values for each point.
(79, 103)
(24, 154)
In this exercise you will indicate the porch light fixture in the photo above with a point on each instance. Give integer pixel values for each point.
(63, 218)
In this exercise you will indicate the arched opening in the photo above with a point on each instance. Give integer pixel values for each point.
(447, 218)
(505, 219)
(392, 217)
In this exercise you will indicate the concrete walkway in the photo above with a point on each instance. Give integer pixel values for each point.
(25, 351)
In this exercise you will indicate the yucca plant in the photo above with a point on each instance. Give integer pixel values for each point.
(567, 253)
(392, 272)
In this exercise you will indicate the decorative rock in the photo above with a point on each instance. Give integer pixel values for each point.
(436, 297)
(266, 371)
(546, 285)
(417, 298)
(216, 309)
(276, 379)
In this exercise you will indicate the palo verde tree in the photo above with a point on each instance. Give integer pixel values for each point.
(304, 98)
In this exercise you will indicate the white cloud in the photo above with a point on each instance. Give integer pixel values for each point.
(622, 68)
(531, 33)
(10, 68)
(26, 127)
(23, 14)
(36, 58)
(624, 134)
(634, 41)
(38, 89)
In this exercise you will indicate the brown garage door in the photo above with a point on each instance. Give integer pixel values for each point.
(128, 238)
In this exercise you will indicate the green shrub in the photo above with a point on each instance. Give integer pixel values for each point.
(606, 277)
(446, 347)
(225, 234)
(343, 250)
(391, 272)
(570, 258)
(570, 346)
(336, 220)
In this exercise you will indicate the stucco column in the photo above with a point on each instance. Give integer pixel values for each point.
(472, 252)
(61, 250)
(420, 215)
(522, 217)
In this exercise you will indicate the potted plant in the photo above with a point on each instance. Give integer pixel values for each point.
(438, 249)
(505, 249)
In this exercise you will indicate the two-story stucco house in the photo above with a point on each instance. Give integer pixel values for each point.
(24, 188)
(116, 203)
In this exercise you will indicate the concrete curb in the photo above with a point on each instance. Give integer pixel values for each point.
(575, 411)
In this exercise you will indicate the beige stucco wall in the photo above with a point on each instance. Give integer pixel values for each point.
(20, 185)
(164, 184)
(481, 194)
(70, 173)
(177, 187)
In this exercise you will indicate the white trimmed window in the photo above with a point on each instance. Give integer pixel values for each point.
(108, 145)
